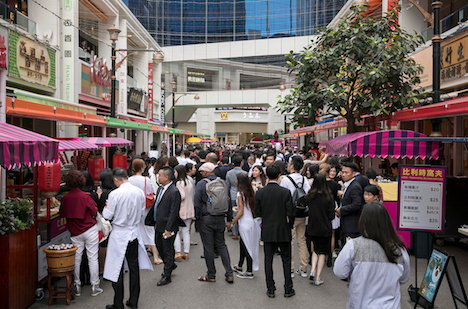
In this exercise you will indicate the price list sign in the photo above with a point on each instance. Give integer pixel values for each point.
(421, 198)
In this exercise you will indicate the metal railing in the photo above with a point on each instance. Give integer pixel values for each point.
(449, 22)
(15, 17)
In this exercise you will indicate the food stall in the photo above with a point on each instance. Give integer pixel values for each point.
(21, 148)
(380, 144)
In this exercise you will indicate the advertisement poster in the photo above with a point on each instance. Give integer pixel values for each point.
(421, 203)
(433, 275)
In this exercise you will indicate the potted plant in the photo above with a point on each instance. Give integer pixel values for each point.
(18, 253)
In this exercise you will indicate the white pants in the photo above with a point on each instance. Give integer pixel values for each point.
(90, 240)
(185, 235)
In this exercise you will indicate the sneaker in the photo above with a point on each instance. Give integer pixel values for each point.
(312, 276)
(318, 282)
(77, 289)
(292, 273)
(334, 255)
(96, 290)
(245, 275)
(302, 273)
(237, 269)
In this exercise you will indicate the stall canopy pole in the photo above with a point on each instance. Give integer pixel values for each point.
(3, 171)
(173, 144)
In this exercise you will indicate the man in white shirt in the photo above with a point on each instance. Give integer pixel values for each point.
(252, 162)
(180, 157)
(298, 232)
(125, 206)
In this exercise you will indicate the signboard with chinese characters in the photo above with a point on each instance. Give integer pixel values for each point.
(421, 202)
(31, 61)
(454, 57)
(163, 104)
(68, 48)
(150, 91)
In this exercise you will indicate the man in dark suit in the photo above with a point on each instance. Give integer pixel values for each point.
(167, 207)
(351, 202)
(362, 180)
(274, 205)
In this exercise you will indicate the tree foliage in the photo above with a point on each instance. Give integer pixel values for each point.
(361, 67)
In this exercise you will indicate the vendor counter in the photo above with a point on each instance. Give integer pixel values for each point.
(390, 201)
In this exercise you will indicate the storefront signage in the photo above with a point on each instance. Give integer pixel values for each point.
(163, 105)
(68, 50)
(100, 74)
(57, 226)
(454, 57)
(224, 116)
(150, 91)
(251, 116)
(3, 61)
(421, 202)
(196, 77)
(134, 100)
(31, 61)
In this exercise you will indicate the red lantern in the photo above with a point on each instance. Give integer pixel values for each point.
(49, 179)
(119, 160)
(95, 165)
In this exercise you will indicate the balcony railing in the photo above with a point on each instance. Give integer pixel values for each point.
(448, 23)
(13, 16)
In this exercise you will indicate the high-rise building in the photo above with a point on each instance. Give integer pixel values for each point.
(230, 53)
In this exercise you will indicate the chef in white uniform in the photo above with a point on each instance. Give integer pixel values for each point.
(125, 206)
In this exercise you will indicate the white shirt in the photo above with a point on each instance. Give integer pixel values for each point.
(298, 179)
(150, 171)
(346, 185)
(125, 206)
(153, 154)
(182, 161)
(375, 282)
(188, 160)
(163, 191)
(139, 182)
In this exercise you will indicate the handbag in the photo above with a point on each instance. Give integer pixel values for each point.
(149, 198)
(104, 227)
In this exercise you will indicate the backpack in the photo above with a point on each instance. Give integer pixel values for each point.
(300, 210)
(217, 203)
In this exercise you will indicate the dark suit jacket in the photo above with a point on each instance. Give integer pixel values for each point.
(274, 205)
(363, 181)
(167, 212)
(351, 207)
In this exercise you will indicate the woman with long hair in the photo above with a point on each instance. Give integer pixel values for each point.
(144, 183)
(258, 178)
(377, 262)
(325, 169)
(319, 229)
(309, 170)
(187, 212)
(248, 227)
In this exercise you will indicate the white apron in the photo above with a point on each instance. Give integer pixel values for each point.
(116, 248)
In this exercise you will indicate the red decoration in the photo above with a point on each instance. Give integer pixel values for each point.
(119, 160)
(49, 179)
(95, 165)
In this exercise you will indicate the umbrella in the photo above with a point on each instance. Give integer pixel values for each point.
(256, 140)
(193, 140)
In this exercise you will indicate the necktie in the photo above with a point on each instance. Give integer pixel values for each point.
(158, 199)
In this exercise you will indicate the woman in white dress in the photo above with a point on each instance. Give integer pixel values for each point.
(144, 183)
(187, 212)
(249, 229)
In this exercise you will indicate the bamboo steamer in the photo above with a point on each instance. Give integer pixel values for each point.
(59, 261)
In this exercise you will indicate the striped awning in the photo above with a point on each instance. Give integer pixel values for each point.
(21, 146)
(70, 145)
(379, 144)
(105, 141)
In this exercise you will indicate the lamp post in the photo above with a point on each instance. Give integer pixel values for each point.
(436, 39)
(114, 36)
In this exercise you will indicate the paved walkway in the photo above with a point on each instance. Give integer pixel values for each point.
(186, 292)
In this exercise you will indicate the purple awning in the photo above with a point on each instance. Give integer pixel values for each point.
(105, 141)
(20, 146)
(376, 144)
(70, 145)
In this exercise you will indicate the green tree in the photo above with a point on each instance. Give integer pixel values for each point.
(361, 67)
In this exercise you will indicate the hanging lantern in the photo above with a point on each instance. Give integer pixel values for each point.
(49, 179)
(95, 165)
(119, 160)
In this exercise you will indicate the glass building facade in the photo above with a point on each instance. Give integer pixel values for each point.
(183, 22)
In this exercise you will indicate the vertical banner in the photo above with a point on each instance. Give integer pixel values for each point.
(163, 105)
(68, 46)
(421, 203)
(150, 91)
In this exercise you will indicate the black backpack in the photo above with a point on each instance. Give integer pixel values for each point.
(300, 210)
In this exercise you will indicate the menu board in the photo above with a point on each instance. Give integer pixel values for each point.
(421, 202)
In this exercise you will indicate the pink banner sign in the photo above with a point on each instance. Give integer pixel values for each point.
(421, 198)
(150, 91)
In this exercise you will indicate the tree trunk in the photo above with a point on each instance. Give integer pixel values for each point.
(352, 127)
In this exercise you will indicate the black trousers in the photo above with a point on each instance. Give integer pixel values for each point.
(212, 236)
(166, 251)
(285, 251)
(132, 258)
(244, 254)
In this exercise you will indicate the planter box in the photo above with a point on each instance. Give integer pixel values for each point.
(18, 269)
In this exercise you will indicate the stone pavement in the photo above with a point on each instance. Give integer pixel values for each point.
(186, 292)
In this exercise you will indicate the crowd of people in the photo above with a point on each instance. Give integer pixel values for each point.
(278, 199)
